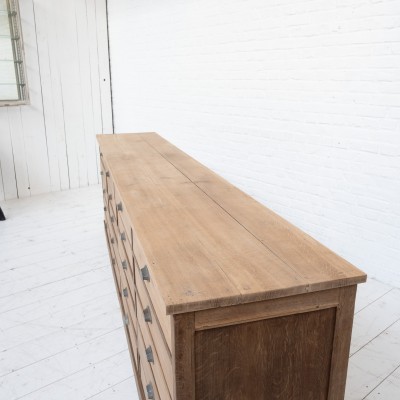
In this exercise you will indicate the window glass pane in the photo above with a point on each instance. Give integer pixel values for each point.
(8, 92)
(4, 24)
(12, 71)
(6, 52)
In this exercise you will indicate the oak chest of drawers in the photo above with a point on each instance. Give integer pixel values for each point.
(221, 298)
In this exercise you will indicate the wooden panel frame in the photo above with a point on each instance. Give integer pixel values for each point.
(185, 326)
(341, 342)
(183, 356)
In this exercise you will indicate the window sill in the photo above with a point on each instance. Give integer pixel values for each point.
(10, 103)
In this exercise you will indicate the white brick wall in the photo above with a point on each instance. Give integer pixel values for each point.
(296, 102)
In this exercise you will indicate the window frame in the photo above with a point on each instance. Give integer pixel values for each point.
(18, 55)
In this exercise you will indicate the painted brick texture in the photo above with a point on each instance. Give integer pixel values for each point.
(295, 102)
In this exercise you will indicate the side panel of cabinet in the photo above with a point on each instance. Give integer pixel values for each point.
(294, 348)
(278, 358)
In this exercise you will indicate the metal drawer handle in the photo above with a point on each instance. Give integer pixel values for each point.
(107, 174)
(119, 206)
(109, 196)
(147, 314)
(105, 208)
(124, 264)
(112, 219)
(101, 154)
(125, 292)
(113, 261)
(125, 319)
(112, 240)
(150, 391)
(145, 274)
(101, 172)
(123, 236)
(149, 355)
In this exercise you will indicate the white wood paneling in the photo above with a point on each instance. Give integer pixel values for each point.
(50, 144)
(103, 64)
(62, 337)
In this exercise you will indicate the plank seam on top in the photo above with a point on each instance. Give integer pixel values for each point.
(220, 206)
(238, 295)
(297, 282)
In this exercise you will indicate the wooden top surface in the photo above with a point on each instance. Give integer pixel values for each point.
(208, 244)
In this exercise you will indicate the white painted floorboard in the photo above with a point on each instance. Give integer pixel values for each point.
(61, 334)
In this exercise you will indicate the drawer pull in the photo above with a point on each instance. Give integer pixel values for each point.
(150, 391)
(101, 172)
(149, 355)
(124, 264)
(125, 319)
(109, 196)
(125, 292)
(101, 154)
(112, 219)
(107, 174)
(105, 208)
(104, 191)
(123, 236)
(145, 274)
(113, 261)
(147, 314)
(119, 206)
(112, 240)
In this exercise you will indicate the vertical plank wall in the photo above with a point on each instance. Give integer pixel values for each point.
(50, 145)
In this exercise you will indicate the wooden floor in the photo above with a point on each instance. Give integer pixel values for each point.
(61, 334)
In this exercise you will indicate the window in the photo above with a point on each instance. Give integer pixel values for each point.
(13, 88)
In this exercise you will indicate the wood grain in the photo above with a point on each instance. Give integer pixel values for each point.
(146, 375)
(341, 343)
(307, 256)
(260, 309)
(189, 222)
(162, 365)
(162, 336)
(224, 316)
(183, 360)
(280, 358)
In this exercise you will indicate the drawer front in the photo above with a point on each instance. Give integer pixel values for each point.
(103, 176)
(129, 300)
(110, 249)
(147, 378)
(156, 353)
(149, 296)
(128, 321)
(111, 235)
(125, 274)
(105, 199)
(106, 177)
(123, 217)
(110, 185)
(124, 249)
(111, 216)
(129, 279)
(113, 207)
(124, 228)
(111, 252)
(117, 272)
